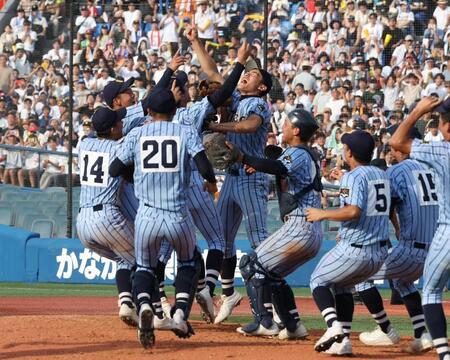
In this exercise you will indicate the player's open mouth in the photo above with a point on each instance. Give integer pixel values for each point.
(244, 81)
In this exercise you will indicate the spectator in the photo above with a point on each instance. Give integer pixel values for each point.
(53, 165)
(30, 169)
(13, 160)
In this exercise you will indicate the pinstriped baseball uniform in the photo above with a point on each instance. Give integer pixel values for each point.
(134, 117)
(297, 241)
(362, 248)
(100, 225)
(200, 203)
(161, 152)
(413, 189)
(437, 265)
(243, 195)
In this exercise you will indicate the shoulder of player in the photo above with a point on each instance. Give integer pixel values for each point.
(294, 154)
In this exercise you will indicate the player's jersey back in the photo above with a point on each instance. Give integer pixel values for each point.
(437, 156)
(366, 187)
(97, 187)
(161, 152)
(301, 173)
(414, 185)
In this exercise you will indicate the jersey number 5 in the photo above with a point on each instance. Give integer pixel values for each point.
(379, 198)
(427, 187)
(160, 153)
(94, 168)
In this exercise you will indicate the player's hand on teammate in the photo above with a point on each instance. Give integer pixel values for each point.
(249, 169)
(176, 91)
(177, 61)
(243, 52)
(313, 214)
(232, 147)
(210, 187)
(427, 104)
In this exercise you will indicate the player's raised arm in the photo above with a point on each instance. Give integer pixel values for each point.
(401, 140)
(120, 165)
(207, 63)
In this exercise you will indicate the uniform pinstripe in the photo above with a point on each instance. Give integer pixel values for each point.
(297, 241)
(105, 231)
(242, 194)
(161, 152)
(200, 203)
(346, 265)
(413, 188)
(129, 204)
(437, 265)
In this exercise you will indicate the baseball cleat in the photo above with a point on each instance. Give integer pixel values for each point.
(341, 349)
(417, 346)
(228, 304)
(299, 333)
(145, 330)
(163, 324)
(128, 315)
(255, 329)
(206, 304)
(165, 304)
(332, 335)
(181, 328)
(378, 338)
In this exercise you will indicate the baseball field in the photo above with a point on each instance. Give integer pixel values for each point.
(57, 321)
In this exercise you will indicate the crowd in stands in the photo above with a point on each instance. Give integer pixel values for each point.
(354, 64)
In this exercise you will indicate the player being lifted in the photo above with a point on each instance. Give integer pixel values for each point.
(436, 155)
(161, 152)
(365, 202)
(244, 194)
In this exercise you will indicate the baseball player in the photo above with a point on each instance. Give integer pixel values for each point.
(161, 152)
(364, 213)
(296, 242)
(436, 155)
(414, 196)
(244, 194)
(101, 225)
(201, 204)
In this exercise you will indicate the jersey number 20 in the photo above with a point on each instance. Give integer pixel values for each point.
(94, 168)
(160, 153)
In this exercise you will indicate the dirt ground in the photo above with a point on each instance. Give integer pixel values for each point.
(88, 328)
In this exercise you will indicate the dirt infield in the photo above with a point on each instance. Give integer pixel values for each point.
(88, 328)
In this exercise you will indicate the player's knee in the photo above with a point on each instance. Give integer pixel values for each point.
(250, 266)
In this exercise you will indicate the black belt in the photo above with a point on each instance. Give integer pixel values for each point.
(98, 207)
(418, 245)
(359, 246)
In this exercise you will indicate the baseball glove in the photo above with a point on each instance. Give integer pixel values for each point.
(218, 153)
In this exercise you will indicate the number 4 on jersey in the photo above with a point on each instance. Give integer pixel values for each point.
(94, 168)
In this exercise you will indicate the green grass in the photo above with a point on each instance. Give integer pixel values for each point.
(56, 289)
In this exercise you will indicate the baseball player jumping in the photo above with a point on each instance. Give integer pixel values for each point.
(161, 152)
(414, 196)
(296, 242)
(201, 204)
(364, 213)
(436, 155)
(244, 194)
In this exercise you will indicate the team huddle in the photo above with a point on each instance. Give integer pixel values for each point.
(147, 183)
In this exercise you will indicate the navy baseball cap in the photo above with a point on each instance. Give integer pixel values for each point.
(162, 101)
(104, 119)
(115, 88)
(361, 144)
(443, 107)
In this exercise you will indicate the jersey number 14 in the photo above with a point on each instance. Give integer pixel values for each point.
(94, 168)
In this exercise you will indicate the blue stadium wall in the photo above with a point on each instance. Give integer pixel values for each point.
(26, 257)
